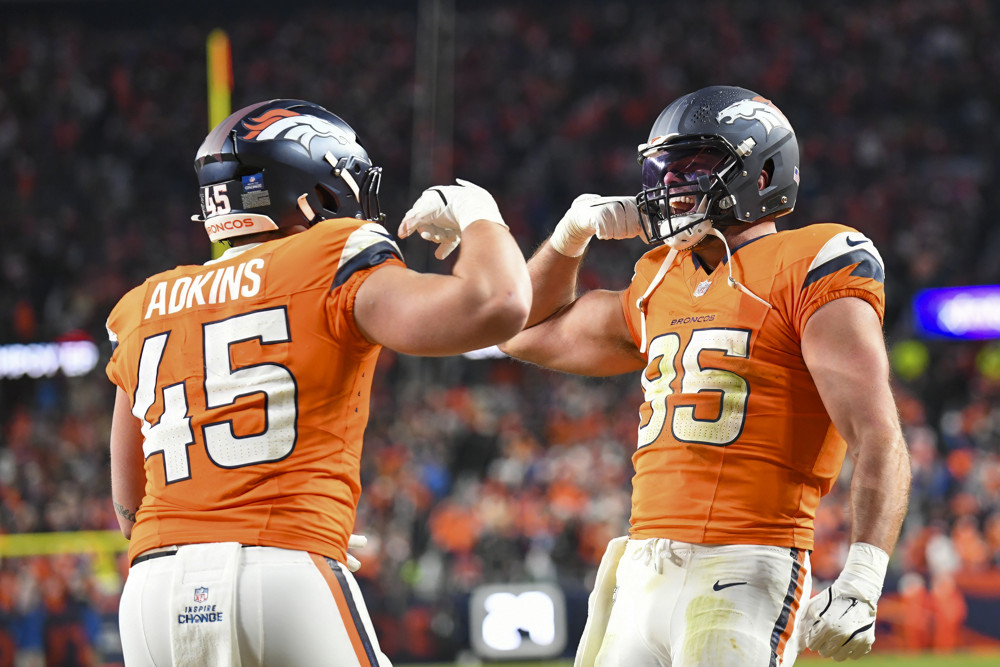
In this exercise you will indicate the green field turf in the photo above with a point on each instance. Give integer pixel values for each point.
(949, 660)
(874, 660)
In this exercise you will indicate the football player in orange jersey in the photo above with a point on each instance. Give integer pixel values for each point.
(244, 382)
(762, 362)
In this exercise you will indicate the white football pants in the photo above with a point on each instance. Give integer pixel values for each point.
(291, 609)
(687, 605)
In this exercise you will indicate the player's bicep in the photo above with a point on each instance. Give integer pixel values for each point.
(587, 337)
(843, 347)
(128, 477)
(392, 307)
(432, 314)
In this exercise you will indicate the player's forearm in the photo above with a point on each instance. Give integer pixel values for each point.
(880, 490)
(126, 518)
(128, 477)
(587, 337)
(495, 288)
(553, 288)
(553, 282)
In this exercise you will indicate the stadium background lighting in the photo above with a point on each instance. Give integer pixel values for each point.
(966, 313)
(36, 360)
(517, 621)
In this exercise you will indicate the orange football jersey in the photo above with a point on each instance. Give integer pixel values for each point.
(735, 446)
(252, 383)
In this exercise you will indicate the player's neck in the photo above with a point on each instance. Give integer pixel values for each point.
(711, 252)
(261, 237)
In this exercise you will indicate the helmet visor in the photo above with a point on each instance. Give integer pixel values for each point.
(681, 187)
(681, 164)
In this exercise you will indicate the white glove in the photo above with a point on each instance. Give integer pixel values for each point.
(355, 542)
(442, 213)
(590, 215)
(839, 623)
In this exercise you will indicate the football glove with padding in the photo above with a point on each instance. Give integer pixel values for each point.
(442, 213)
(839, 623)
(592, 215)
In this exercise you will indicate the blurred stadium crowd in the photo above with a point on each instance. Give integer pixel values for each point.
(484, 471)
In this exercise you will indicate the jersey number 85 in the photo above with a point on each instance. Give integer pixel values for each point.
(695, 378)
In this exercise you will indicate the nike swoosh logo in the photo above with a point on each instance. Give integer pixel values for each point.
(854, 603)
(718, 587)
(622, 204)
(853, 243)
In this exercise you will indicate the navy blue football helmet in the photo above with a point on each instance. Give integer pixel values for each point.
(281, 163)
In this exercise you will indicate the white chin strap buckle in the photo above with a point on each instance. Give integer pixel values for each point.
(699, 227)
(687, 238)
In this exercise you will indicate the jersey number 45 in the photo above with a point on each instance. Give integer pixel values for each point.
(171, 435)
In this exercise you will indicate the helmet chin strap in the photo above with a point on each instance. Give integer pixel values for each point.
(643, 302)
(345, 175)
(689, 237)
(307, 210)
(735, 284)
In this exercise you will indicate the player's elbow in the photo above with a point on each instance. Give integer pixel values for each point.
(883, 455)
(504, 315)
(126, 528)
(499, 291)
(515, 346)
(505, 346)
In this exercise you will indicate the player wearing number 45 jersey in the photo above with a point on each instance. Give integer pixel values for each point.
(762, 364)
(243, 389)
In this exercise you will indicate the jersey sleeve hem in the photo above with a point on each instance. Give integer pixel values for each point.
(626, 304)
(871, 298)
(353, 284)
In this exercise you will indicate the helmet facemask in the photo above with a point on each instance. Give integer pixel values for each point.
(368, 197)
(685, 190)
(362, 181)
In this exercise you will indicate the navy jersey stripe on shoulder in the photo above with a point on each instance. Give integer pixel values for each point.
(843, 250)
(369, 257)
(867, 267)
(369, 245)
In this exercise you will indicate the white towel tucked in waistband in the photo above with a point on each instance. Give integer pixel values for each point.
(203, 609)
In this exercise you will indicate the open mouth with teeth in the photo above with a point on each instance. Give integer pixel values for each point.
(688, 208)
(682, 205)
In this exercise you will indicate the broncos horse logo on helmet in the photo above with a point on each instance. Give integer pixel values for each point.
(282, 163)
(757, 109)
(738, 134)
(285, 124)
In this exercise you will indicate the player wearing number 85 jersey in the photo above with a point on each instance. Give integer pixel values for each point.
(762, 364)
(243, 389)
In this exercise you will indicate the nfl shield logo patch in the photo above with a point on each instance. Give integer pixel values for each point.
(200, 594)
(702, 287)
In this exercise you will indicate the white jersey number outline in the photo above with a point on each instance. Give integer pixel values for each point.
(171, 435)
